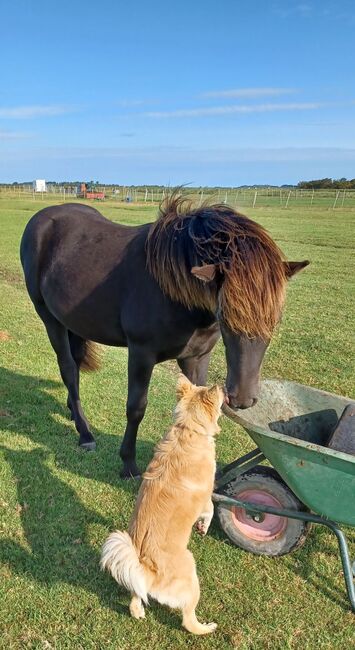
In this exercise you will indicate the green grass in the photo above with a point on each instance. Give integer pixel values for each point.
(58, 504)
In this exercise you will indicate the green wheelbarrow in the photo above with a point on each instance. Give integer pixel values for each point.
(269, 510)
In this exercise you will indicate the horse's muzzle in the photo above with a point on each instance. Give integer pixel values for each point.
(236, 403)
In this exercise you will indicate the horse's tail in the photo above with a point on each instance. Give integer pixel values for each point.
(87, 354)
(120, 558)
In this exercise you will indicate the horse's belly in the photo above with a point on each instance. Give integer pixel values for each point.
(95, 317)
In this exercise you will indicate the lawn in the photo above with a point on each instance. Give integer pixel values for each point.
(58, 503)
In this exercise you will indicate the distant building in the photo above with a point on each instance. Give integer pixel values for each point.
(39, 185)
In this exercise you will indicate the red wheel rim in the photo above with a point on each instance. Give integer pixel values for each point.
(271, 527)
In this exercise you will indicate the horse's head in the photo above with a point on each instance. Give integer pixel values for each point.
(244, 352)
(216, 259)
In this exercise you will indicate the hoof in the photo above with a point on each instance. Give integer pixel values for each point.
(128, 477)
(130, 471)
(88, 446)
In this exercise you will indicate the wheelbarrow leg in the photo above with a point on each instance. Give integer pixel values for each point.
(346, 562)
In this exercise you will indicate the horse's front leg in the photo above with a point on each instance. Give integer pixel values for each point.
(140, 367)
(196, 368)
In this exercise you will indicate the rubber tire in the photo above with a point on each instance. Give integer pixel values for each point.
(262, 477)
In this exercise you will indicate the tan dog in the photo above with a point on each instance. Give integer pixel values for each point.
(152, 558)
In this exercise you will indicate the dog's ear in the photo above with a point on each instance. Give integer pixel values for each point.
(215, 394)
(183, 386)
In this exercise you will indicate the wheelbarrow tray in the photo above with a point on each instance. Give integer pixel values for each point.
(291, 424)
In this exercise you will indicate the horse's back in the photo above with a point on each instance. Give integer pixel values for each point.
(62, 230)
(77, 263)
(40, 226)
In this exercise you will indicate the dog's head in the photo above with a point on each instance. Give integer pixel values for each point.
(198, 407)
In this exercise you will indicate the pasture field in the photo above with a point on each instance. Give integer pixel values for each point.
(57, 503)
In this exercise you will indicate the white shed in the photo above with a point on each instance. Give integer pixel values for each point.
(39, 185)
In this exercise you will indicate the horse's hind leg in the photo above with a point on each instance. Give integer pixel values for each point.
(77, 349)
(59, 338)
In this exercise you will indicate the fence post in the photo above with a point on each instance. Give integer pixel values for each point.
(255, 195)
(288, 198)
(336, 198)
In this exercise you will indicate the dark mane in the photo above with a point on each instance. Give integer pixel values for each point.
(252, 293)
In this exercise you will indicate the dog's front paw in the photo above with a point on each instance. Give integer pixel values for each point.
(201, 527)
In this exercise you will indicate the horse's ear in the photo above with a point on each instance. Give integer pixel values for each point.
(183, 386)
(291, 268)
(205, 273)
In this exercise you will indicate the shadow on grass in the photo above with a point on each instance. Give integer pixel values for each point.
(54, 523)
(33, 413)
(305, 563)
(54, 519)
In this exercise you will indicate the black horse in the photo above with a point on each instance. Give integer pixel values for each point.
(164, 290)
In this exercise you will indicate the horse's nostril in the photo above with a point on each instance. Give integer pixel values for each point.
(237, 402)
(245, 405)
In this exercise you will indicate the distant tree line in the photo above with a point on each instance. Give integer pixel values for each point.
(327, 183)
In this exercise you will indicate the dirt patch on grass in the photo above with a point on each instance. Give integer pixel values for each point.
(4, 336)
(8, 275)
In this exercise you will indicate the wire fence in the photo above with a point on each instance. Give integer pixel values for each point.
(235, 197)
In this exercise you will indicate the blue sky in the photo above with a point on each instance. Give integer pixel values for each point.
(200, 92)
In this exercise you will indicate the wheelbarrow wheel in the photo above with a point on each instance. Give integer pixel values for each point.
(262, 534)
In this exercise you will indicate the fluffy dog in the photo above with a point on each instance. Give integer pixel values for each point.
(152, 558)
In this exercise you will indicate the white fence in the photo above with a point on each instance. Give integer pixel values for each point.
(236, 197)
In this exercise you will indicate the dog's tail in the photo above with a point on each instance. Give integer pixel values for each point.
(120, 558)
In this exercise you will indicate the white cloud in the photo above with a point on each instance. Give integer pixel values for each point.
(286, 10)
(128, 103)
(189, 155)
(250, 92)
(13, 135)
(303, 8)
(29, 112)
(237, 109)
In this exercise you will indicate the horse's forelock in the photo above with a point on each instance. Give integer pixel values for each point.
(252, 293)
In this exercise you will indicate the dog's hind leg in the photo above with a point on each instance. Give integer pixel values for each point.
(187, 590)
(136, 607)
(189, 619)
